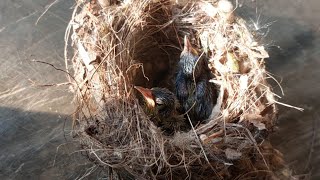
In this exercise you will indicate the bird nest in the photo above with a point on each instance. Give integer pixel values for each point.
(138, 42)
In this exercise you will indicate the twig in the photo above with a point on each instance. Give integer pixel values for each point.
(213, 135)
(48, 85)
(66, 39)
(47, 8)
(287, 105)
(69, 75)
(202, 149)
(43, 62)
(314, 137)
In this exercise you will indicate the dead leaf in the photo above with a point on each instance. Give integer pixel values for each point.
(259, 52)
(232, 63)
(259, 125)
(255, 119)
(85, 56)
(243, 83)
(267, 110)
(233, 154)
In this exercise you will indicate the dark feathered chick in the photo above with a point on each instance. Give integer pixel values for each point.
(161, 105)
(195, 93)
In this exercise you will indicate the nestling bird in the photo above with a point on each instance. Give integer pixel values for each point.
(195, 93)
(162, 107)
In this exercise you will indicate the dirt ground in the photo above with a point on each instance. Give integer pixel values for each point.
(34, 120)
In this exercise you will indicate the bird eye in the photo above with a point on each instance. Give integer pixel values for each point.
(159, 102)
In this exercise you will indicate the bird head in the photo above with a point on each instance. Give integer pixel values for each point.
(188, 57)
(160, 101)
(188, 49)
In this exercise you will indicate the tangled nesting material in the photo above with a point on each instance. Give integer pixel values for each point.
(120, 44)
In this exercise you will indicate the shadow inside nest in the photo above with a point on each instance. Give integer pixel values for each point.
(159, 56)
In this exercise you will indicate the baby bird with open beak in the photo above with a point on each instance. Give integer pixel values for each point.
(162, 106)
(195, 93)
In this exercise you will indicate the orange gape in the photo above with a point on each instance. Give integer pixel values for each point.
(147, 94)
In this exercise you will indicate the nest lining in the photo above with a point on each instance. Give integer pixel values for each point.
(139, 43)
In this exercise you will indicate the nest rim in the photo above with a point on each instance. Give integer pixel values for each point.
(200, 137)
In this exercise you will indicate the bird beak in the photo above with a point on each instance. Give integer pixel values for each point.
(147, 94)
(188, 48)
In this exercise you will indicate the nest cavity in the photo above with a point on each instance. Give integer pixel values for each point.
(138, 42)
